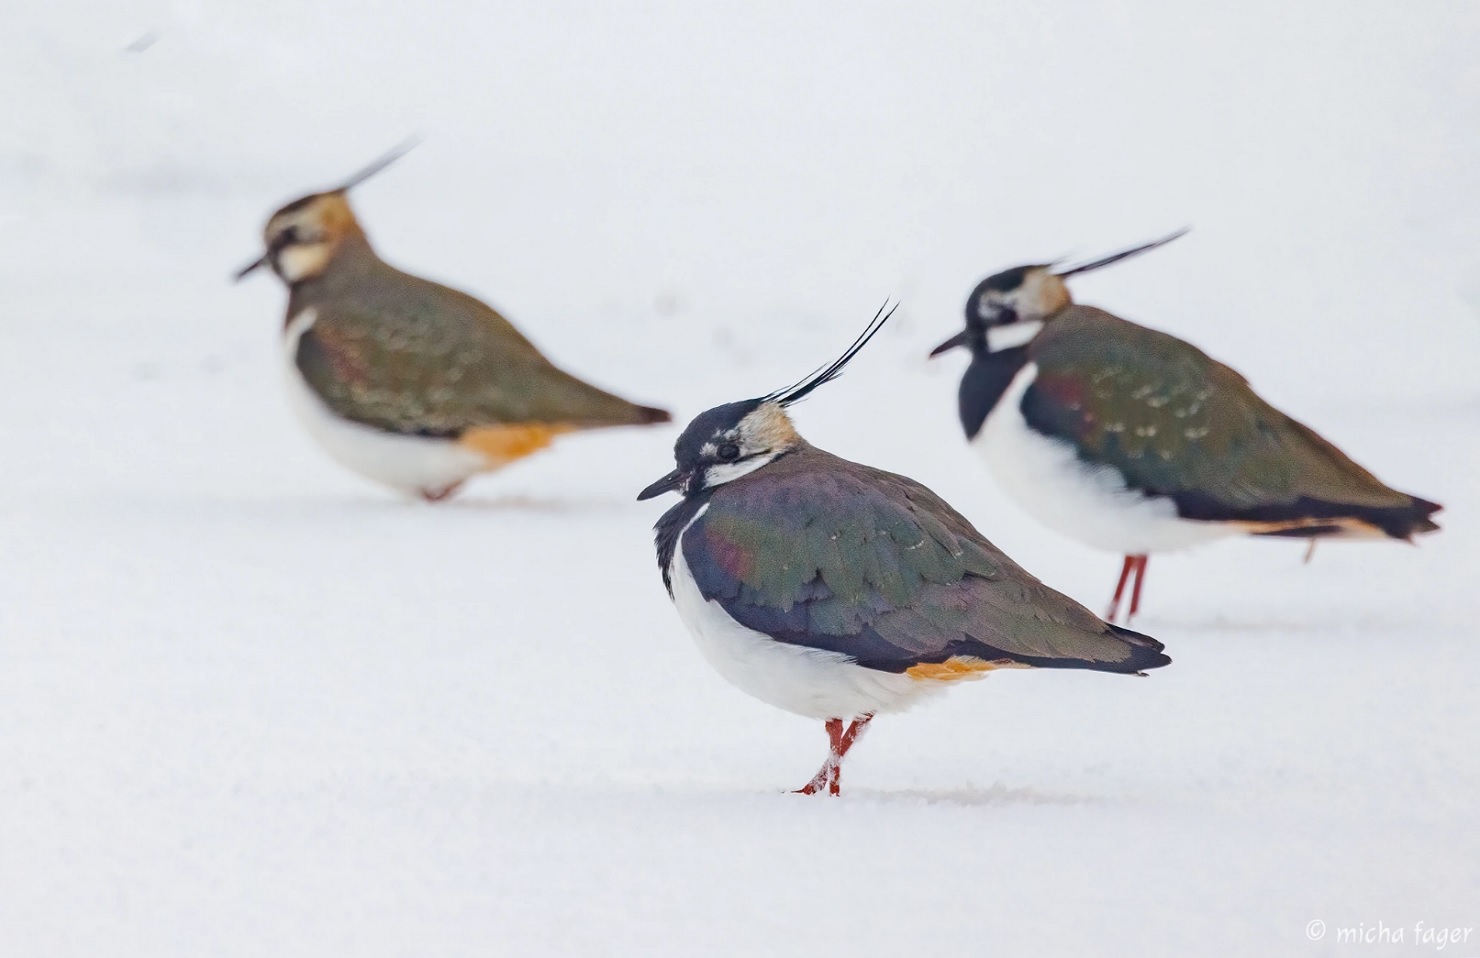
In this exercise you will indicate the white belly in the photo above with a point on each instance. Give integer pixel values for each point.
(810, 682)
(1089, 504)
(408, 463)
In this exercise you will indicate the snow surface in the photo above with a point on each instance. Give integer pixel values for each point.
(251, 705)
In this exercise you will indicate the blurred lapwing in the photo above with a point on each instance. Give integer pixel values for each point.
(403, 380)
(838, 591)
(1133, 441)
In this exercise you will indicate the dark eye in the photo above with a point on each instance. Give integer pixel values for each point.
(728, 452)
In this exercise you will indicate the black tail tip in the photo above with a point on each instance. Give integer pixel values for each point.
(1146, 652)
(652, 416)
(1415, 521)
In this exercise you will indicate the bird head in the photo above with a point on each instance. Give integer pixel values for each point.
(302, 238)
(1007, 309)
(727, 442)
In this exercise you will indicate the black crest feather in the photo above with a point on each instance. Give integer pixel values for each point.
(826, 374)
(394, 154)
(1123, 254)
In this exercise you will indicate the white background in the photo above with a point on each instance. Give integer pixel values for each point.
(251, 705)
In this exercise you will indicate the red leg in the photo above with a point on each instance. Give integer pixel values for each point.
(855, 731)
(1141, 561)
(824, 774)
(437, 495)
(839, 742)
(1125, 574)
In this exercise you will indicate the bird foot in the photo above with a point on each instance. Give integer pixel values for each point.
(826, 777)
(438, 494)
(839, 742)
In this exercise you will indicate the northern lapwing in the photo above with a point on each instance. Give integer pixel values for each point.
(838, 591)
(1133, 441)
(406, 381)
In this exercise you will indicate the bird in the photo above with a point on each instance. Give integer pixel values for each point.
(405, 381)
(837, 591)
(1135, 442)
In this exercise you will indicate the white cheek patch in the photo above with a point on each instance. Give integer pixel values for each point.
(723, 472)
(298, 262)
(1012, 335)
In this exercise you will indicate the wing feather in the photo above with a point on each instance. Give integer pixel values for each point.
(828, 554)
(413, 356)
(1175, 422)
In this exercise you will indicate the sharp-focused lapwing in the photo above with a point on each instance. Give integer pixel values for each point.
(838, 591)
(1134, 442)
(403, 380)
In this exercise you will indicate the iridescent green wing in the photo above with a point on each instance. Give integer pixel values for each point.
(1174, 422)
(832, 555)
(407, 355)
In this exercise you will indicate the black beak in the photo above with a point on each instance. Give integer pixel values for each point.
(674, 480)
(248, 269)
(957, 340)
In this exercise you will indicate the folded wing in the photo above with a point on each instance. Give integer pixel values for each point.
(873, 565)
(417, 357)
(1174, 422)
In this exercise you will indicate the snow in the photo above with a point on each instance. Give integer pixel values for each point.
(250, 704)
